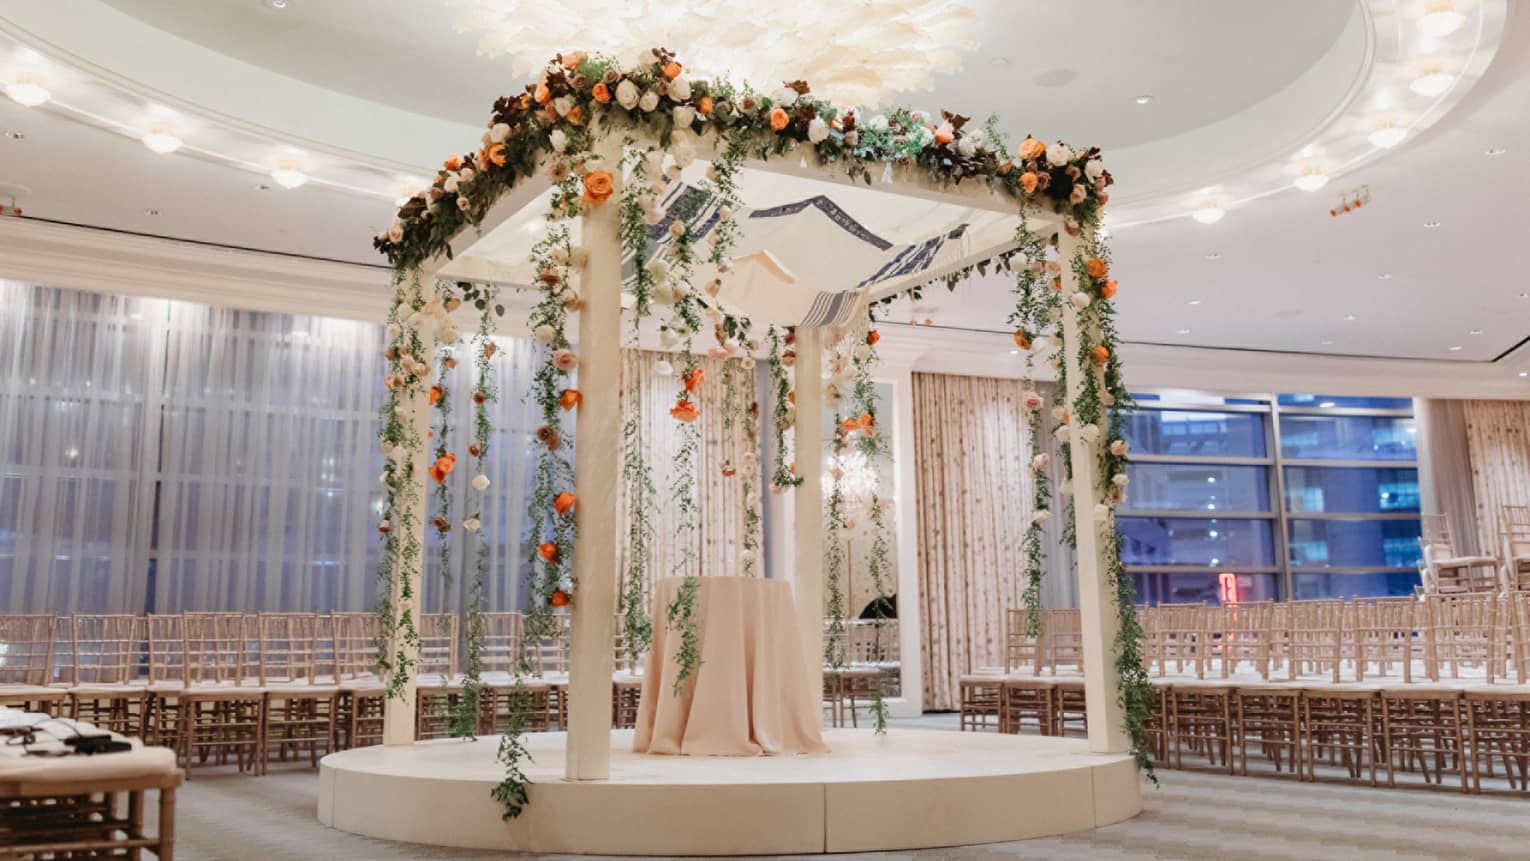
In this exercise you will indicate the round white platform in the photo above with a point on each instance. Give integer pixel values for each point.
(907, 789)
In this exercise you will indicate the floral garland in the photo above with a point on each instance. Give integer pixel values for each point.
(834, 554)
(737, 383)
(872, 445)
(1037, 310)
(484, 393)
(783, 408)
(683, 325)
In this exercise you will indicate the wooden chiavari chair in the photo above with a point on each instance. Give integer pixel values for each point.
(1421, 726)
(1316, 638)
(1514, 523)
(438, 691)
(1269, 714)
(1245, 636)
(359, 709)
(26, 665)
(1022, 652)
(509, 697)
(1516, 612)
(1465, 632)
(1062, 639)
(300, 710)
(106, 688)
(1341, 724)
(1182, 638)
(1447, 572)
(1386, 634)
(221, 705)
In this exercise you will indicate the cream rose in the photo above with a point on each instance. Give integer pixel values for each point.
(818, 130)
(627, 94)
(1059, 154)
(480, 483)
(649, 101)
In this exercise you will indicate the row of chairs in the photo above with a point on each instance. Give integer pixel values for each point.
(1376, 732)
(1479, 637)
(1446, 571)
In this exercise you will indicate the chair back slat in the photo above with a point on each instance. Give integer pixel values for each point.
(356, 637)
(26, 649)
(106, 649)
(218, 647)
(438, 644)
(289, 646)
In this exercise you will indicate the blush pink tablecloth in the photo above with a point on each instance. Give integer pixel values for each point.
(751, 694)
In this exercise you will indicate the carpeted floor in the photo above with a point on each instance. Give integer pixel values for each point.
(230, 817)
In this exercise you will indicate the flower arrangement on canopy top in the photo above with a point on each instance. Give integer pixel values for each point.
(579, 95)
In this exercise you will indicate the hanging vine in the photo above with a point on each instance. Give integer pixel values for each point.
(1036, 307)
(783, 409)
(834, 552)
(872, 445)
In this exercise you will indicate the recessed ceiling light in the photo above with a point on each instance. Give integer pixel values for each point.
(277, 4)
(1430, 225)
(1000, 61)
(1208, 212)
(1440, 19)
(1475, 332)
(1312, 178)
(1145, 99)
(151, 212)
(289, 174)
(1326, 343)
(260, 186)
(1193, 302)
(1212, 255)
(1385, 276)
(1497, 150)
(1456, 348)
(1350, 318)
(1432, 80)
(1181, 331)
(28, 90)
(1387, 134)
(162, 140)
(1524, 373)
(15, 136)
(1524, 295)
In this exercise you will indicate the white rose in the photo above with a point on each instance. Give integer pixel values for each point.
(1041, 516)
(1080, 299)
(499, 132)
(818, 130)
(1119, 447)
(649, 101)
(1039, 462)
(1059, 155)
(1061, 433)
(559, 140)
(1058, 412)
(627, 94)
(451, 183)
(1089, 433)
(563, 104)
(466, 174)
(382, 479)
(1093, 169)
(1101, 513)
(684, 115)
(746, 557)
(1120, 479)
(680, 89)
(544, 334)
(785, 96)
(659, 269)
(471, 524)
(966, 148)
(396, 232)
(480, 482)
(663, 368)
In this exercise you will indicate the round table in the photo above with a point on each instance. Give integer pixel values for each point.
(751, 694)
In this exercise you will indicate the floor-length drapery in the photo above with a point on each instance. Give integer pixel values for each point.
(1498, 439)
(1445, 471)
(719, 536)
(974, 490)
(76, 448)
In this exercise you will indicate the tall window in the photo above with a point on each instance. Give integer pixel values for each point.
(1256, 497)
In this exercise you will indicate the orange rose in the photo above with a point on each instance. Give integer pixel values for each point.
(573, 60)
(685, 411)
(548, 551)
(435, 395)
(1028, 182)
(1096, 268)
(597, 186)
(1031, 148)
(453, 163)
(559, 598)
(1101, 355)
(672, 70)
(601, 92)
(791, 396)
(570, 398)
(392, 381)
(493, 154)
(704, 106)
(778, 119)
(943, 137)
(848, 425)
(565, 503)
(867, 420)
(488, 350)
(1022, 340)
(542, 94)
(873, 337)
(575, 115)
(443, 467)
(693, 379)
(1109, 290)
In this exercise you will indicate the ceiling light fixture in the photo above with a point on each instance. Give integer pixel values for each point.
(1182, 331)
(1208, 212)
(28, 90)
(1475, 332)
(1312, 178)
(1385, 276)
(277, 4)
(1387, 134)
(1524, 373)
(1145, 99)
(151, 212)
(1432, 80)
(1325, 343)
(162, 140)
(1440, 19)
(1456, 348)
(1430, 225)
(1497, 150)
(289, 174)
(1193, 302)
(1350, 318)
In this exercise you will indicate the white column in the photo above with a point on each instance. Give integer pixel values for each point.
(905, 525)
(807, 516)
(411, 506)
(1096, 599)
(592, 655)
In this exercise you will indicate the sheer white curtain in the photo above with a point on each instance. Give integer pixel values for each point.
(75, 420)
(1445, 471)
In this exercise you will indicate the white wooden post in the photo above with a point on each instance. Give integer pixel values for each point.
(1096, 600)
(592, 653)
(808, 503)
(410, 506)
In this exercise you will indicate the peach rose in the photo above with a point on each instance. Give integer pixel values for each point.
(685, 411)
(704, 106)
(565, 503)
(1031, 148)
(597, 186)
(778, 119)
(1101, 355)
(601, 93)
(542, 94)
(1096, 268)
(565, 360)
(1028, 182)
(570, 398)
(672, 70)
(1108, 291)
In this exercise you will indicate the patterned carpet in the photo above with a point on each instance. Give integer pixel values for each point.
(228, 817)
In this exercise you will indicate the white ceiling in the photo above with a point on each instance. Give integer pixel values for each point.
(1286, 275)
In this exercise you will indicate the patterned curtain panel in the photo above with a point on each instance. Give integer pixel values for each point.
(1496, 437)
(1445, 471)
(76, 376)
(974, 490)
(648, 395)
